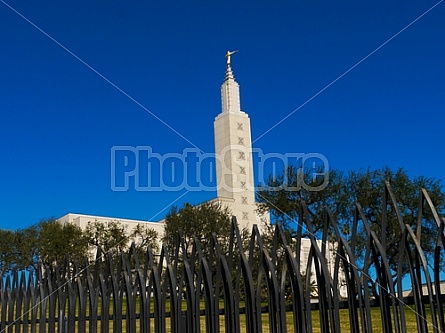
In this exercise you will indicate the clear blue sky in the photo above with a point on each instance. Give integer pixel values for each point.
(59, 119)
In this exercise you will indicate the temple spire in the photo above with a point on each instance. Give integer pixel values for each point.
(233, 148)
(229, 74)
(230, 89)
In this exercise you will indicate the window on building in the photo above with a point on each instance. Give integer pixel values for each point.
(242, 170)
(240, 126)
(243, 184)
(245, 216)
(244, 200)
(241, 141)
(241, 155)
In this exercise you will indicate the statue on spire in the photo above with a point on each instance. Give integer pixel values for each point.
(228, 54)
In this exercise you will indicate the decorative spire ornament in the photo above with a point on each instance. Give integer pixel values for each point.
(228, 55)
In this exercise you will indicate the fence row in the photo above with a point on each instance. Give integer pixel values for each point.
(244, 285)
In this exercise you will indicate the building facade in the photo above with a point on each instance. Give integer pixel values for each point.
(234, 167)
(234, 174)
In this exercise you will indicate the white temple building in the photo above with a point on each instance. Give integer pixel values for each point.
(234, 174)
(234, 167)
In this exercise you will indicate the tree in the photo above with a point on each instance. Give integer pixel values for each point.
(367, 188)
(340, 195)
(7, 257)
(201, 221)
(56, 240)
(144, 237)
(114, 238)
(19, 248)
(48, 241)
(111, 236)
(283, 194)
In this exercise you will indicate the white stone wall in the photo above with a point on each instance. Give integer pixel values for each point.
(82, 220)
(330, 261)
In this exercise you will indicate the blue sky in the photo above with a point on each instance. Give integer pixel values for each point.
(59, 119)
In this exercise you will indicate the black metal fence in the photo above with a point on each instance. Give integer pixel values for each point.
(242, 287)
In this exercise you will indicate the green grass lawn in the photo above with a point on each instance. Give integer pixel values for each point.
(343, 318)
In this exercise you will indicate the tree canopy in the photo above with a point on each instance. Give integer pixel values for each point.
(50, 241)
(19, 248)
(343, 191)
(56, 240)
(201, 221)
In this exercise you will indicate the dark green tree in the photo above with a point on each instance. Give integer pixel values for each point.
(114, 238)
(144, 237)
(111, 236)
(283, 194)
(199, 221)
(50, 241)
(343, 191)
(7, 256)
(56, 240)
(19, 248)
(367, 188)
